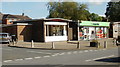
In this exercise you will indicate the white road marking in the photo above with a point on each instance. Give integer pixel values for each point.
(37, 57)
(46, 56)
(75, 52)
(68, 52)
(28, 58)
(99, 58)
(95, 50)
(90, 50)
(61, 53)
(86, 51)
(39, 52)
(54, 55)
(18, 59)
(7, 60)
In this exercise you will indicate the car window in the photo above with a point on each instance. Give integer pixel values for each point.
(3, 35)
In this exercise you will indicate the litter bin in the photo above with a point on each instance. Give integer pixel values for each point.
(93, 44)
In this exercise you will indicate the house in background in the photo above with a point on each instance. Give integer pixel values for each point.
(43, 30)
(9, 18)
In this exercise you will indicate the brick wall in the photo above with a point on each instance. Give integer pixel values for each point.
(6, 21)
(24, 32)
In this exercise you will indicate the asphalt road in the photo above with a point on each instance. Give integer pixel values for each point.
(23, 56)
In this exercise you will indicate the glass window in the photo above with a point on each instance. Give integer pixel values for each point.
(54, 30)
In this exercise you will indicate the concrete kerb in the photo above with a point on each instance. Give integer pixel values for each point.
(58, 45)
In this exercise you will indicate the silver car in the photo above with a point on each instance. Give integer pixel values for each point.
(5, 37)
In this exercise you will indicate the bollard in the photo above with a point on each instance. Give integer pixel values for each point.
(98, 45)
(13, 43)
(105, 44)
(9, 43)
(78, 45)
(53, 45)
(32, 44)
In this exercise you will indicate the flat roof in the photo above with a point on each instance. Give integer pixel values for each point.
(46, 19)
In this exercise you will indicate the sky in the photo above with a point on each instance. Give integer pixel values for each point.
(38, 9)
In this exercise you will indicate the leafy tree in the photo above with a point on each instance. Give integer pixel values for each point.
(68, 10)
(113, 11)
(95, 17)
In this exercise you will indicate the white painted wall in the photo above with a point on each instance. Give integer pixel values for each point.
(55, 23)
(55, 38)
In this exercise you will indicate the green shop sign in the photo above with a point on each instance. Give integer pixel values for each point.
(93, 23)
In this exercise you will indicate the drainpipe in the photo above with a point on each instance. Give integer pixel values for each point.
(78, 30)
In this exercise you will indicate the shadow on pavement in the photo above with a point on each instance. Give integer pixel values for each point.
(112, 60)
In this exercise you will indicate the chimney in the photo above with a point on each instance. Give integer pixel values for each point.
(22, 14)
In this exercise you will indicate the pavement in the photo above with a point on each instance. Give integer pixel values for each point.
(65, 44)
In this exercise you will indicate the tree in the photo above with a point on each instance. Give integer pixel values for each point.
(113, 11)
(95, 17)
(68, 10)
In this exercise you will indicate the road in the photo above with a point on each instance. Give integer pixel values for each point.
(24, 56)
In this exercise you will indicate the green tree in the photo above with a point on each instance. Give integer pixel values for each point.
(113, 11)
(95, 17)
(68, 10)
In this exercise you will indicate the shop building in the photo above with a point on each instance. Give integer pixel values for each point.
(92, 29)
(43, 30)
(116, 29)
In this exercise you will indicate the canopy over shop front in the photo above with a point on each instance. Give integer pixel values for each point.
(93, 29)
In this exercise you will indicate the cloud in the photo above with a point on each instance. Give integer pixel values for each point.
(98, 2)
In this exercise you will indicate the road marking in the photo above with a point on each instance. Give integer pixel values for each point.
(46, 56)
(61, 53)
(90, 50)
(86, 51)
(18, 59)
(39, 52)
(37, 57)
(75, 52)
(54, 55)
(7, 60)
(95, 50)
(68, 52)
(99, 58)
(28, 58)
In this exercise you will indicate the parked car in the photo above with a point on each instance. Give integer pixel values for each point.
(5, 37)
(117, 41)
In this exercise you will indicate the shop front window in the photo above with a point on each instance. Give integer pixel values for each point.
(54, 30)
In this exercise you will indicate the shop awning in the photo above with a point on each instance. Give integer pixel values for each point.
(94, 23)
